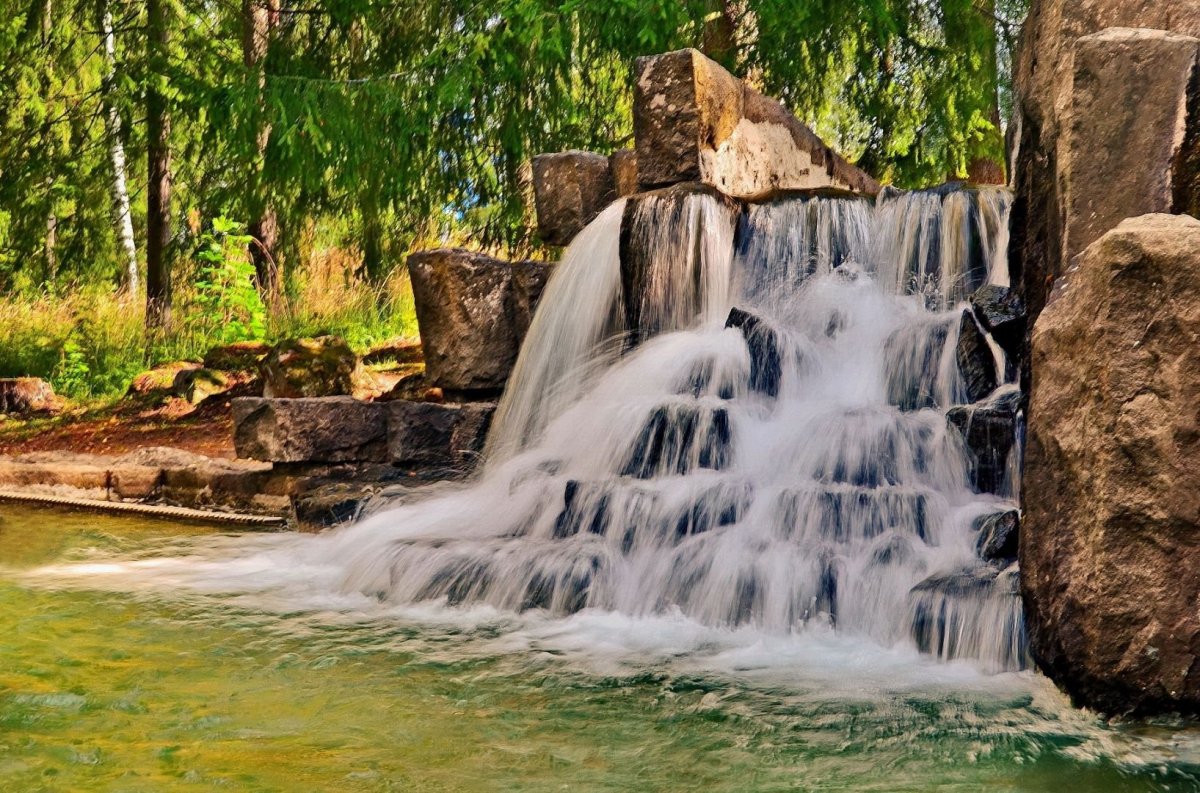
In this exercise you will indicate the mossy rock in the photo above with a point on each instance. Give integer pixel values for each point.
(317, 367)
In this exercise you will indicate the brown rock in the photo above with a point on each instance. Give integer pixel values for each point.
(695, 122)
(423, 433)
(328, 430)
(320, 367)
(473, 311)
(1110, 534)
(134, 482)
(570, 188)
(1044, 80)
(1127, 128)
(20, 396)
(624, 167)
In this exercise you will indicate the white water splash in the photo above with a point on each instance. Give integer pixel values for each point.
(793, 474)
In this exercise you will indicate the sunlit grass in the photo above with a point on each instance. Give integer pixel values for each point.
(89, 342)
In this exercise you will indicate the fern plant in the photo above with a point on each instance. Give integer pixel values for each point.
(229, 307)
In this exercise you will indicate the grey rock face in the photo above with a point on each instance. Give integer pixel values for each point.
(570, 189)
(1002, 314)
(327, 430)
(989, 430)
(473, 311)
(424, 433)
(997, 536)
(1110, 531)
(975, 359)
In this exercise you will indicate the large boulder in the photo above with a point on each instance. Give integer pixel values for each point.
(624, 167)
(321, 430)
(1044, 74)
(1110, 533)
(20, 396)
(570, 188)
(319, 367)
(473, 311)
(695, 122)
(424, 433)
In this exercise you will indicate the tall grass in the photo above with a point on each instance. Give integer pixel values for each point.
(89, 343)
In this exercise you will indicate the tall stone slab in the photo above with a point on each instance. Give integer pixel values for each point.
(1110, 534)
(1044, 76)
(473, 311)
(695, 122)
(1127, 131)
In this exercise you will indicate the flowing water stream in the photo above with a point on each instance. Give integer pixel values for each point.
(724, 540)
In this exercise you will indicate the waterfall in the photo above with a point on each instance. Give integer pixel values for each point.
(738, 415)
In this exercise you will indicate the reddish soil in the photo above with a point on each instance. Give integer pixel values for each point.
(123, 428)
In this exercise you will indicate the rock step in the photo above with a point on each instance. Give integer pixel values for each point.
(678, 439)
(344, 429)
(950, 615)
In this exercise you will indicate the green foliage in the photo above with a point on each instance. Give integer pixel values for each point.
(384, 125)
(228, 307)
(415, 120)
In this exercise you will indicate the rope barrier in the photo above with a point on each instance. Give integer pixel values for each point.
(149, 510)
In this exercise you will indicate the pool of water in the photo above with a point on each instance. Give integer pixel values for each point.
(112, 678)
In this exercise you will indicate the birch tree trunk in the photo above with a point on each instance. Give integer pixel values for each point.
(122, 219)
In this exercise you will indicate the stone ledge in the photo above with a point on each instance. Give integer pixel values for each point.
(310, 429)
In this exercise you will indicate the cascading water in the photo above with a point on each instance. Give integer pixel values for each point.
(743, 421)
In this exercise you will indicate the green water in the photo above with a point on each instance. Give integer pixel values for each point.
(161, 691)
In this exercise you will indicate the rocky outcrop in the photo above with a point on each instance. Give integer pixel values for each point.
(20, 396)
(473, 312)
(196, 385)
(766, 369)
(319, 367)
(570, 188)
(1045, 74)
(1110, 533)
(1002, 314)
(975, 360)
(329, 430)
(624, 167)
(695, 122)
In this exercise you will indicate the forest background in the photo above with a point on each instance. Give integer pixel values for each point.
(178, 175)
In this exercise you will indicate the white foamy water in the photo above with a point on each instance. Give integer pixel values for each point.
(738, 443)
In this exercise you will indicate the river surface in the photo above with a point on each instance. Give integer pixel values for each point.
(112, 678)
